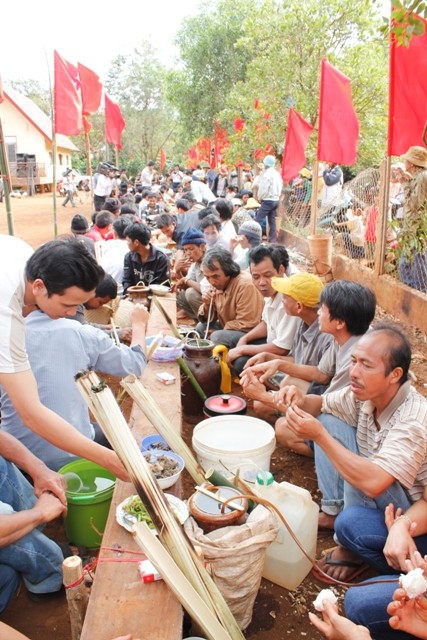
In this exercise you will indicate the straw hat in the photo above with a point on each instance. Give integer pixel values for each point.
(416, 156)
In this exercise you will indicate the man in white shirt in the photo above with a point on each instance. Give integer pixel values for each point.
(275, 333)
(147, 175)
(269, 191)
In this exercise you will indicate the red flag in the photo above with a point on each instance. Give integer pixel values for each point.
(407, 94)
(91, 93)
(338, 123)
(67, 97)
(192, 157)
(256, 104)
(297, 136)
(162, 159)
(114, 123)
(239, 125)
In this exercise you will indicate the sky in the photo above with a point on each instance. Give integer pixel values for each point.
(86, 31)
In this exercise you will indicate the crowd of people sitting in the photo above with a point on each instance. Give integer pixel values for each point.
(334, 383)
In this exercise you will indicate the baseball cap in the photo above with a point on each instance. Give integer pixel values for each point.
(302, 287)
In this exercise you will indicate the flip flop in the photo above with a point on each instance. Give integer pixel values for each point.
(359, 568)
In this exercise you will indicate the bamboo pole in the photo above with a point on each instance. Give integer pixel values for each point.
(7, 182)
(314, 201)
(107, 413)
(162, 424)
(382, 220)
(77, 593)
(178, 583)
(167, 317)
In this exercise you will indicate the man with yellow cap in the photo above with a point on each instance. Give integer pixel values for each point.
(301, 296)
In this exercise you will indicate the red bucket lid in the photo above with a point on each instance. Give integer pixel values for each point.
(225, 404)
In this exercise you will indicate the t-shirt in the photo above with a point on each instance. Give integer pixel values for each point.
(281, 328)
(336, 363)
(399, 445)
(14, 254)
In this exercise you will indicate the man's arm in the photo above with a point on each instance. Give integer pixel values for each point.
(400, 544)
(128, 275)
(291, 368)
(22, 390)
(360, 472)
(14, 526)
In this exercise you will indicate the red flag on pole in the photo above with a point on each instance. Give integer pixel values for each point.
(114, 123)
(66, 97)
(407, 110)
(338, 123)
(297, 136)
(162, 159)
(91, 93)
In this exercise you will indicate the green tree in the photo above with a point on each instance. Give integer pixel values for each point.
(136, 81)
(211, 63)
(289, 41)
(35, 91)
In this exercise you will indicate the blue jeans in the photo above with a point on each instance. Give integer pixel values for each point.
(362, 530)
(366, 604)
(37, 558)
(331, 483)
(268, 210)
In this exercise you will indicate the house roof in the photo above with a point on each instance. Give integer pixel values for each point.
(37, 117)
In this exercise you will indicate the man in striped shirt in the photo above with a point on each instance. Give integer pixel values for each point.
(386, 419)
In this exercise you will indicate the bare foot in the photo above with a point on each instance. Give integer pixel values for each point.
(341, 564)
(326, 520)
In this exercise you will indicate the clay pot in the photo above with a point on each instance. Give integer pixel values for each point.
(205, 368)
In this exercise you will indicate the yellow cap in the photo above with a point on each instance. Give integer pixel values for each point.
(302, 287)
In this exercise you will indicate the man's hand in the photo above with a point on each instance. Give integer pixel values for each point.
(400, 545)
(45, 479)
(265, 370)
(252, 387)
(49, 507)
(259, 358)
(235, 353)
(336, 627)
(140, 314)
(302, 423)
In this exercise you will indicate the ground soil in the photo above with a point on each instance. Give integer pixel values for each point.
(278, 613)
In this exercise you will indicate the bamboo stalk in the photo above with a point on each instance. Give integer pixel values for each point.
(162, 424)
(202, 395)
(106, 411)
(178, 583)
(167, 317)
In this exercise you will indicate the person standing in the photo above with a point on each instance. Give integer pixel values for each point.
(333, 179)
(104, 186)
(70, 188)
(269, 190)
(147, 175)
(413, 263)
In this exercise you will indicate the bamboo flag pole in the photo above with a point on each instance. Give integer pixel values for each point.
(107, 413)
(148, 406)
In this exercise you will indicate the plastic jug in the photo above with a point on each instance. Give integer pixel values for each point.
(285, 564)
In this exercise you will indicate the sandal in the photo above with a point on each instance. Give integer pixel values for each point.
(359, 568)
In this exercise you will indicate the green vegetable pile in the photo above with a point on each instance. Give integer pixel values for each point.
(135, 507)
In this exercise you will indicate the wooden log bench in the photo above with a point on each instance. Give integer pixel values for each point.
(120, 602)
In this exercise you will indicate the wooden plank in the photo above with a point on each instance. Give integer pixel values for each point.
(120, 603)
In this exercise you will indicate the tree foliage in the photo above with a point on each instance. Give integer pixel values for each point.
(210, 63)
(35, 91)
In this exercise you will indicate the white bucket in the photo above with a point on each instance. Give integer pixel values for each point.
(228, 443)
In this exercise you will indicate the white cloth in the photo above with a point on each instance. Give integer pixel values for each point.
(202, 192)
(14, 254)
(147, 177)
